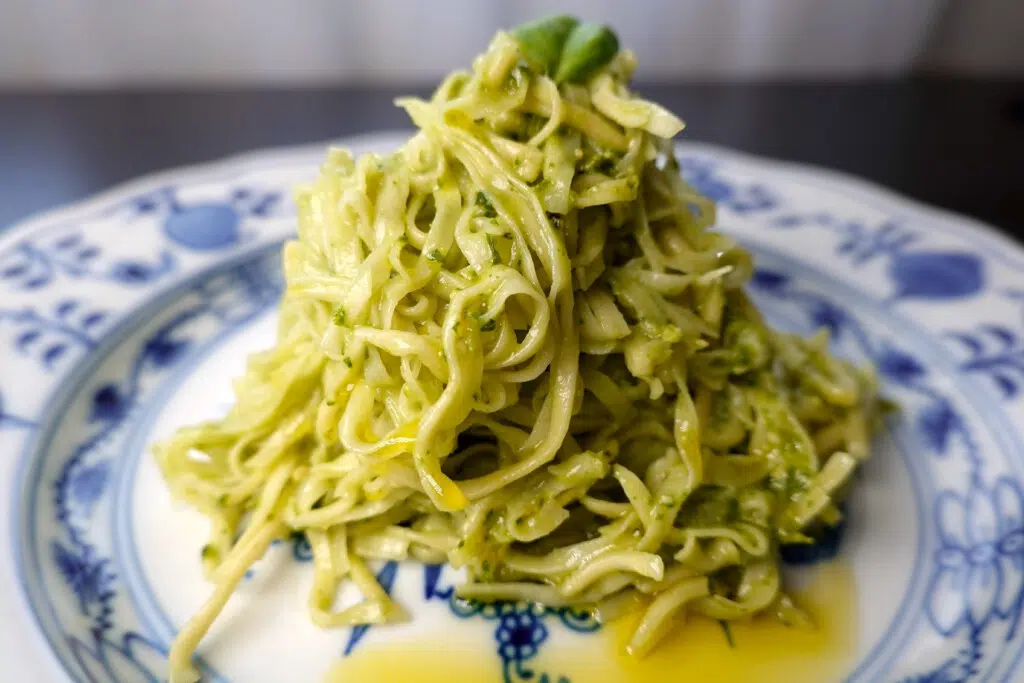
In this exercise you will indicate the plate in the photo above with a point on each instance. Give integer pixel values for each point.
(127, 315)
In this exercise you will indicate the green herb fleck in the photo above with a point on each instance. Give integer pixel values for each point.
(347, 361)
(483, 202)
(208, 552)
(339, 317)
(483, 322)
(435, 255)
(495, 254)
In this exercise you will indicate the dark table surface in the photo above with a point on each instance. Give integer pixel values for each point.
(952, 143)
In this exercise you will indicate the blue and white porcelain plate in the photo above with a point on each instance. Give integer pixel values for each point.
(128, 315)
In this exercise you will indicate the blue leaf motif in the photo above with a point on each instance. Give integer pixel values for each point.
(14, 271)
(53, 353)
(88, 485)
(26, 339)
(1004, 334)
(107, 404)
(1007, 385)
(35, 283)
(712, 188)
(265, 205)
(163, 352)
(788, 221)
(87, 254)
(93, 319)
(937, 422)
(131, 272)
(899, 366)
(752, 199)
(65, 307)
(68, 241)
(970, 342)
(936, 275)
(769, 280)
(145, 205)
(828, 315)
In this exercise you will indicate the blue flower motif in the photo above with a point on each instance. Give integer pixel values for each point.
(520, 633)
(980, 564)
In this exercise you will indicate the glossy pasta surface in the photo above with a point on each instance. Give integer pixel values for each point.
(516, 345)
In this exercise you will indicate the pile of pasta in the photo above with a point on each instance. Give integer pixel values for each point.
(516, 346)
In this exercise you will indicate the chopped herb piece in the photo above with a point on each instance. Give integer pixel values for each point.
(347, 361)
(339, 317)
(495, 254)
(483, 202)
(435, 255)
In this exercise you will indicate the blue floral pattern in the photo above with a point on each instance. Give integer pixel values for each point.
(521, 627)
(979, 568)
(64, 289)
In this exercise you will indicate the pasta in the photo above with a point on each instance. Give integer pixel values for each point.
(517, 346)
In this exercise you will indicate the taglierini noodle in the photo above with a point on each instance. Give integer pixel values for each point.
(517, 346)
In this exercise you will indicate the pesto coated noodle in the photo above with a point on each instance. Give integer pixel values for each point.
(517, 346)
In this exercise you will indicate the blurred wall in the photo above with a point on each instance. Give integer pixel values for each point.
(103, 43)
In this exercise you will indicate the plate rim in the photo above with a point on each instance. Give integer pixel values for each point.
(812, 176)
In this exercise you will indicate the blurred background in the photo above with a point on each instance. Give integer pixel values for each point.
(112, 43)
(923, 96)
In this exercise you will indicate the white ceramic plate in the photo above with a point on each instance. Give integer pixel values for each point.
(127, 315)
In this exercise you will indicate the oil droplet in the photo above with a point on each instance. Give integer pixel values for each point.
(762, 650)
